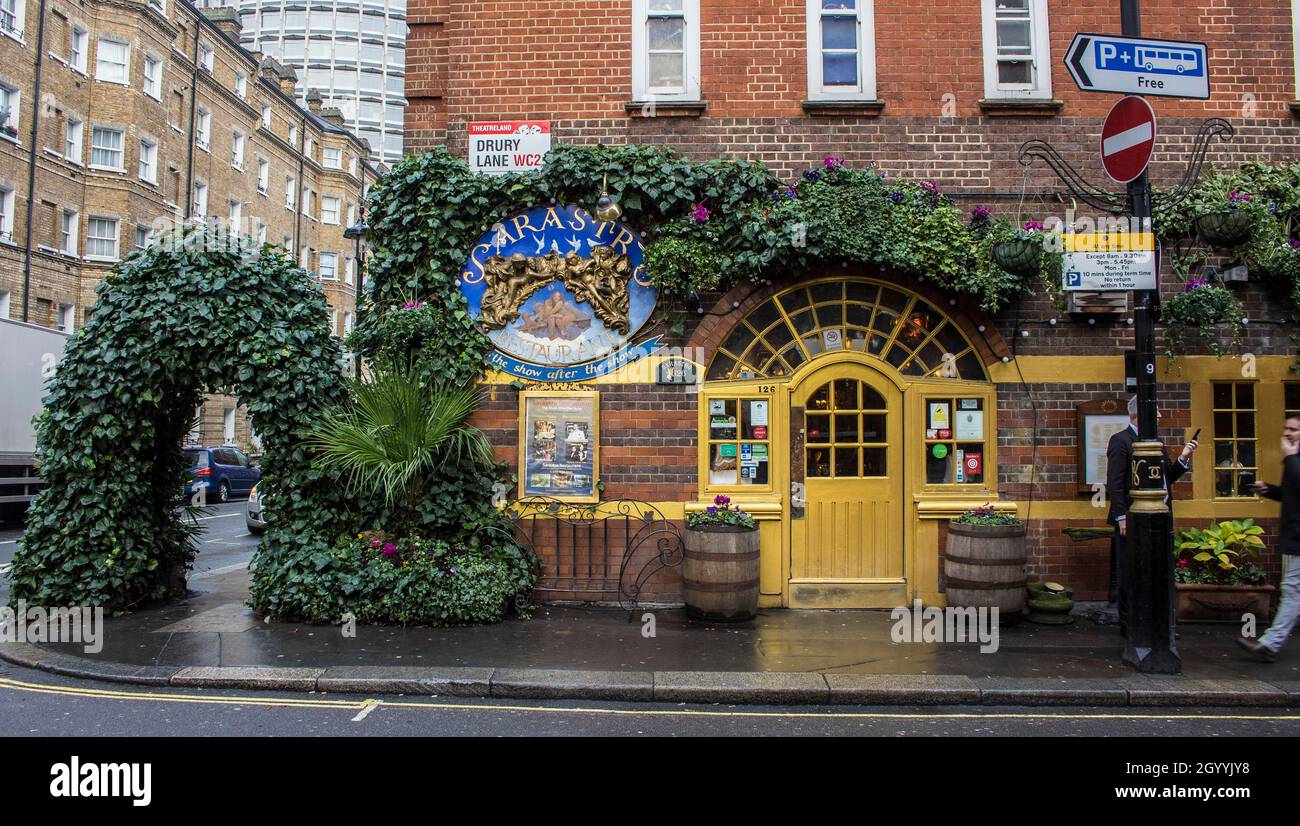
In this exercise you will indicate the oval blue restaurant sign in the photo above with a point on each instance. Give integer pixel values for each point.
(559, 294)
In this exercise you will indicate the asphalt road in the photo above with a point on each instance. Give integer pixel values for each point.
(34, 703)
(225, 545)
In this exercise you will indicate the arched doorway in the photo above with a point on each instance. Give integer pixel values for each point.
(882, 422)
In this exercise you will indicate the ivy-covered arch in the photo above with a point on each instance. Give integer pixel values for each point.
(198, 309)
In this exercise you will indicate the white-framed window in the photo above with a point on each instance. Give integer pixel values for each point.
(332, 157)
(106, 149)
(69, 223)
(143, 235)
(102, 238)
(308, 201)
(666, 49)
(290, 191)
(329, 210)
(112, 61)
(160, 5)
(266, 116)
(352, 214)
(347, 322)
(153, 76)
(293, 133)
(236, 214)
(310, 150)
(228, 425)
(841, 50)
(206, 56)
(6, 213)
(5, 300)
(305, 258)
(261, 234)
(352, 165)
(10, 109)
(73, 133)
(203, 132)
(241, 84)
(349, 270)
(148, 160)
(237, 149)
(263, 175)
(12, 16)
(329, 266)
(79, 48)
(200, 199)
(287, 243)
(1017, 63)
(67, 318)
(334, 322)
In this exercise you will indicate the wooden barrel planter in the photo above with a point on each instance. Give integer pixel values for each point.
(720, 573)
(984, 567)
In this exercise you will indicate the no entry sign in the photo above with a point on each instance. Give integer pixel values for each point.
(1127, 138)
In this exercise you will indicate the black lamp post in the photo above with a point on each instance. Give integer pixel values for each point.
(358, 232)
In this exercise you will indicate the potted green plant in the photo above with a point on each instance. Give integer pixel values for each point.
(1019, 251)
(1227, 223)
(1203, 307)
(984, 562)
(720, 570)
(1215, 576)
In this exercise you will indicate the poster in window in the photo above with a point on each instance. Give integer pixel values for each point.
(969, 420)
(938, 416)
(559, 443)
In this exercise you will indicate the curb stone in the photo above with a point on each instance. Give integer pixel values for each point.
(765, 687)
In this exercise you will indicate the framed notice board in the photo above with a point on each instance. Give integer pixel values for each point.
(559, 444)
(1098, 421)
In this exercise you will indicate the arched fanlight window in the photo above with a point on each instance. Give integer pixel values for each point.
(883, 320)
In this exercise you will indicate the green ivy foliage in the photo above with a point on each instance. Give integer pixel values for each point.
(197, 309)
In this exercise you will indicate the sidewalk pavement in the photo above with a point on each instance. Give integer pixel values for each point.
(213, 640)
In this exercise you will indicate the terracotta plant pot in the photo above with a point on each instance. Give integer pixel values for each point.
(1019, 257)
(1224, 229)
(984, 567)
(1223, 603)
(720, 574)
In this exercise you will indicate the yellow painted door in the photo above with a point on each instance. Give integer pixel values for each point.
(847, 550)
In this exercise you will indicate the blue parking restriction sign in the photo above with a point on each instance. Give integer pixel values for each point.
(1139, 66)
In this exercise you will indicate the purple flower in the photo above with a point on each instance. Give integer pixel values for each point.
(455, 570)
(812, 175)
(896, 197)
(710, 510)
(832, 162)
(790, 193)
(980, 213)
(1295, 243)
(722, 501)
(1034, 226)
(1194, 283)
(389, 549)
(411, 305)
(700, 214)
(1235, 197)
(930, 187)
(884, 175)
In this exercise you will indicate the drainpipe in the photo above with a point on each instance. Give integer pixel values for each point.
(31, 165)
(194, 111)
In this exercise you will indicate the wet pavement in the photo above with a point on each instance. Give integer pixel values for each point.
(215, 628)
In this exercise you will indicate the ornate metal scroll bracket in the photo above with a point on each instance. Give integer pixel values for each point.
(1079, 187)
(1113, 203)
(1210, 129)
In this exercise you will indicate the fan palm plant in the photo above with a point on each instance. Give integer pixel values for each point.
(395, 430)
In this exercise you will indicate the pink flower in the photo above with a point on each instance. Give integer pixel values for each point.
(832, 162)
(374, 543)
(411, 305)
(389, 549)
(700, 214)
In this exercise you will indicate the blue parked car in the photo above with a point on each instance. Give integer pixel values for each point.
(223, 470)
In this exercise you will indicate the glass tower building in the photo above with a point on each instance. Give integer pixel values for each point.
(352, 51)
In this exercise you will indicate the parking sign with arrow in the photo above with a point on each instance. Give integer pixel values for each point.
(1139, 66)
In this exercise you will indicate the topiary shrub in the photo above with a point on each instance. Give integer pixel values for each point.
(104, 531)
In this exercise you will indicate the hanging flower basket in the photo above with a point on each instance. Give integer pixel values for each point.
(1226, 228)
(1018, 256)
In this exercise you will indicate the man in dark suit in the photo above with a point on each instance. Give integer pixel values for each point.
(1119, 456)
(1288, 544)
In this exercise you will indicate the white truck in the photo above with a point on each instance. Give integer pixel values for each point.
(29, 355)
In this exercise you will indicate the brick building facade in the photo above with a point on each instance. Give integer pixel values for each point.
(944, 92)
(134, 114)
